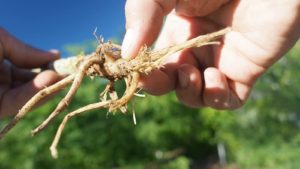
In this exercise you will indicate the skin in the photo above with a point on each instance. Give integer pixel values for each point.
(17, 82)
(223, 76)
(217, 76)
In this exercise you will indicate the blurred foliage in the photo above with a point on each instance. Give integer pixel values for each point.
(78, 48)
(263, 134)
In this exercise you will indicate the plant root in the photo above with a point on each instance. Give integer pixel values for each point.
(62, 125)
(67, 99)
(105, 62)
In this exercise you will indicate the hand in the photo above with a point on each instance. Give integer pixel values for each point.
(217, 76)
(17, 82)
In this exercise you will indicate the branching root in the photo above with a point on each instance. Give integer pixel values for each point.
(106, 63)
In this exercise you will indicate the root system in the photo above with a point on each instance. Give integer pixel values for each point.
(106, 63)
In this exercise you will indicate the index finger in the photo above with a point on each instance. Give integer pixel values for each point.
(21, 54)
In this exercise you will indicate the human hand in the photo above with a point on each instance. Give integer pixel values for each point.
(217, 76)
(17, 82)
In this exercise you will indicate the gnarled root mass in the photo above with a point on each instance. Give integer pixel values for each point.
(105, 62)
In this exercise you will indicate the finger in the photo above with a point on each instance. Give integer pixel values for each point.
(164, 80)
(5, 72)
(143, 23)
(189, 88)
(23, 55)
(22, 75)
(216, 90)
(189, 28)
(20, 95)
(236, 66)
(157, 83)
(178, 29)
(217, 93)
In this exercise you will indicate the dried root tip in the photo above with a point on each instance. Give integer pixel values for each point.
(61, 127)
(53, 152)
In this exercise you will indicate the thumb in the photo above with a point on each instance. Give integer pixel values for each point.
(143, 23)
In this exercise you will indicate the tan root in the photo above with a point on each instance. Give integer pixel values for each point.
(105, 62)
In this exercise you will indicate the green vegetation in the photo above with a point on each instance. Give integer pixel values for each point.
(263, 134)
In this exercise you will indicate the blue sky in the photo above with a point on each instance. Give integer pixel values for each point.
(50, 24)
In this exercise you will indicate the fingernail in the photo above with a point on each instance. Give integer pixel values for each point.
(183, 79)
(212, 81)
(127, 44)
(55, 52)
